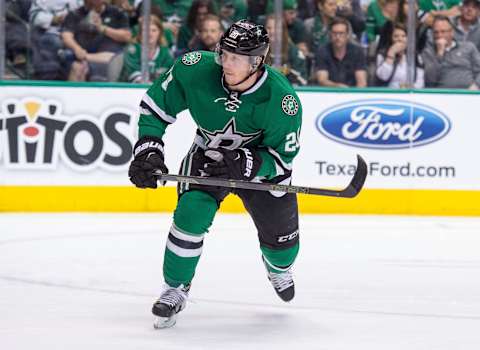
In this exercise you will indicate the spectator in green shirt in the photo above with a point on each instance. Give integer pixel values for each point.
(174, 8)
(170, 30)
(433, 8)
(159, 57)
(293, 64)
(378, 12)
(296, 27)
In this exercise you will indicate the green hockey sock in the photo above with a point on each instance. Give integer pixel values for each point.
(279, 260)
(192, 219)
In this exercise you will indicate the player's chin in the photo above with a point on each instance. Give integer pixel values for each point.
(231, 79)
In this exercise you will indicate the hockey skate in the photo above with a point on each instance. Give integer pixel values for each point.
(171, 302)
(282, 282)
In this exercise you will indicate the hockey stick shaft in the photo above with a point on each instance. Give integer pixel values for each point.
(353, 188)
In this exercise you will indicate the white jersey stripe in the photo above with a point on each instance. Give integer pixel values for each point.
(278, 159)
(148, 100)
(278, 169)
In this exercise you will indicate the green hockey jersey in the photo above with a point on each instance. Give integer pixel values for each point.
(267, 116)
(132, 63)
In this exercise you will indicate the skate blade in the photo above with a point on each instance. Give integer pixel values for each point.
(164, 322)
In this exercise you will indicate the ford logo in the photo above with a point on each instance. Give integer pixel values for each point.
(383, 124)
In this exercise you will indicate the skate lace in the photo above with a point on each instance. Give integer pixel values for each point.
(281, 281)
(173, 297)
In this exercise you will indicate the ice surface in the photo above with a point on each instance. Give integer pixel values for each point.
(87, 281)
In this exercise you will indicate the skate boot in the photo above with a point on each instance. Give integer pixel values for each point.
(171, 302)
(282, 282)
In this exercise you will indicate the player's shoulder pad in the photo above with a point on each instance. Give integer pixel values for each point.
(195, 62)
(283, 96)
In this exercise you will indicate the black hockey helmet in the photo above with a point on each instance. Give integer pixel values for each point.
(245, 38)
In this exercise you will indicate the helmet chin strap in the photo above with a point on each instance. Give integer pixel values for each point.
(245, 79)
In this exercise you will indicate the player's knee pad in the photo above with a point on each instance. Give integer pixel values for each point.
(280, 240)
(195, 212)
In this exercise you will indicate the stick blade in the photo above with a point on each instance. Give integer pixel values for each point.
(358, 180)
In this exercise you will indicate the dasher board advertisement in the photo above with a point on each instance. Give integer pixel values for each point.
(410, 141)
(53, 135)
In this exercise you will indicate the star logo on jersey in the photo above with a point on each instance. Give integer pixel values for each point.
(191, 58)
(228, 137)
(290, 105)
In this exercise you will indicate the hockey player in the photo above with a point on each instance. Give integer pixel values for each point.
(248, 118)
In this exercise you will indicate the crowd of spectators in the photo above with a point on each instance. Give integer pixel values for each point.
(337, 43)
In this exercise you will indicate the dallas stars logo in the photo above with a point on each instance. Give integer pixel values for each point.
(191, 58)
(228, 137)
(289, 105)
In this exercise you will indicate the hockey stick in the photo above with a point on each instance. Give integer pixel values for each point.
(350, 191)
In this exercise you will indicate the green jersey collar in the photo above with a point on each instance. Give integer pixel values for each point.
(257, 85)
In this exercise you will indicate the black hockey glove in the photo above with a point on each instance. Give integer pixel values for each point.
(237, 164)
(148, 156)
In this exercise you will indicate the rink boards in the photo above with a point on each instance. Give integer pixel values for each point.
(67, 148)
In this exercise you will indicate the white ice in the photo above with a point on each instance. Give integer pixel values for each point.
(87, 281)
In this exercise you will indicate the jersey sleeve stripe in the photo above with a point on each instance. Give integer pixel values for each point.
(279, 160)
(148, 103)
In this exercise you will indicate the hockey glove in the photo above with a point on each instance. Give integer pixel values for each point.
(237, 164)
(148, 156)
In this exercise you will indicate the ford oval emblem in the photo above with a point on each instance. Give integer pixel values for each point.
(383, 124)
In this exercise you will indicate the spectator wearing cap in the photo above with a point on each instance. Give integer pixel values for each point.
(292, 60)
(341, 63)
(450, 63)
(467, 24)
(296, 27)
